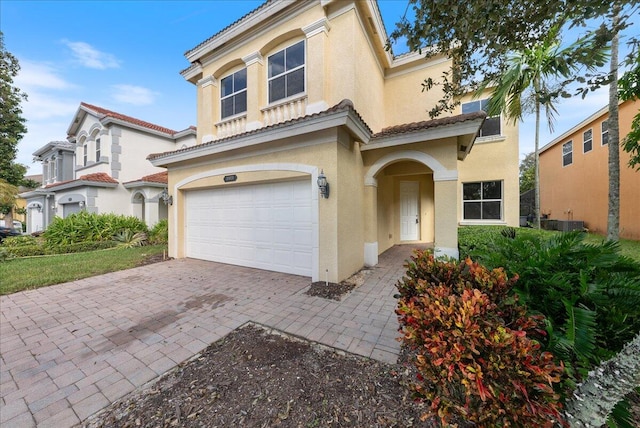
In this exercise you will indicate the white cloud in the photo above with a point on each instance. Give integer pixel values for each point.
(136, 95)
(90, 57)
(39, 75)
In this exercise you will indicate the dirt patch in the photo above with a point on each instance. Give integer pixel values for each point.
(257, 378)
(335, 291)
(154, 258)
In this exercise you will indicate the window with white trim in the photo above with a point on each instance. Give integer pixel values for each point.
(52, 169)
(482, 200)
(605, 132)
(85, 152)
(587, 141)
(97, 149)
(567, 153)
(491, 125)
(233, 94)
(286, 72)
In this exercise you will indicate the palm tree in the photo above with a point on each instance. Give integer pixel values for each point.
(534, 70)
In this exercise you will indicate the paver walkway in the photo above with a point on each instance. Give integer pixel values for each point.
(67, 351)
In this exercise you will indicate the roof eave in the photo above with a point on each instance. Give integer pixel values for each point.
(81, 183)
(465, 133)
(138, 184)
(347, 118)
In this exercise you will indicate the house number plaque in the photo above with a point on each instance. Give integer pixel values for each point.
(230, 178)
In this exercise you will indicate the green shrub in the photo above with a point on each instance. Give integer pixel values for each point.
(26, 250)
(159, 233)
(79, 247)
(129, 239)
(589, 293)
(4, 254)
(88, 227)
(475, 352)
(19, 241)
(472, 239)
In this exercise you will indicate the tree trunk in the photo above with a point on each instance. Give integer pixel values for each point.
(593, 400)
(613, 214)
(536, 157)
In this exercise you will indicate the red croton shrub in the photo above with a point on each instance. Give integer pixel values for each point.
(476, 352)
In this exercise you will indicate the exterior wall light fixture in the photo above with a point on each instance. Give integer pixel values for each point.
(166, 197)
(81, 204)
(323, 185)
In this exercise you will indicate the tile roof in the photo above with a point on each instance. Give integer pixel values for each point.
(426, 124)
(343, 105)
(233, 24)
(160, 177)
(97, 177)
(129, 119)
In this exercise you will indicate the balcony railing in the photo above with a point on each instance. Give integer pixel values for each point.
(284, 111)
(233, 126)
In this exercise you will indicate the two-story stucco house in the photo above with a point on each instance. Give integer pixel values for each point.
(296, 93)
(102, 168)
(574, 175)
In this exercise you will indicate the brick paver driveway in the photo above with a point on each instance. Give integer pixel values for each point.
(69, 350)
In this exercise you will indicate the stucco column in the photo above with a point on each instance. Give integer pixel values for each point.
(207, 109)
(317, 65)
(370, 225)
(255, 90)
(446, 217)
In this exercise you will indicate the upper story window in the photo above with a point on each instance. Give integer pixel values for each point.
(233, 94)
(97, 149)
(482, 200)
(587, 141)
(605, 132)
(491, 125)
(567, 153)
(286, 72)
(85, 150)
(52, 169)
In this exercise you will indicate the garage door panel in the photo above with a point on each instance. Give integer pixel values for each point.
(266, 226)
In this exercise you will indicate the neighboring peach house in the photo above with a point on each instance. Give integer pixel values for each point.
(574, 175)
(101, 168)
(294, 93)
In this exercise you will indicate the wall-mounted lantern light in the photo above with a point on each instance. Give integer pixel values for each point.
(323, 185)
(166, 197)
(81, 204)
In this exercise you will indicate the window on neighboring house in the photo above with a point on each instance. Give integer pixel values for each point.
(567, 153)
(491, 125)
(482, 200)
(97, 149)
(84, 154)
(286, 72)
(52, 170)
(605, 132)
(587, 141)
(233, 94)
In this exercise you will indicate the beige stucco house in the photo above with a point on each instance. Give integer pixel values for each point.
(101, 167)
(297, 91)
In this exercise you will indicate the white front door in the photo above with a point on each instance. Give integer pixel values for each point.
(409, 211)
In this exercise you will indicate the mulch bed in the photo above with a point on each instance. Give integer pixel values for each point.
(259, 378)
(333, 291)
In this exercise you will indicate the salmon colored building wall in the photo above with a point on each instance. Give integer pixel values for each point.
(579, 191)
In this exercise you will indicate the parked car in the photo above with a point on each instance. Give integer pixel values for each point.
(16, 225)
(6, 232)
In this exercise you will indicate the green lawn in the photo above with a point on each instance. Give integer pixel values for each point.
(33, 272)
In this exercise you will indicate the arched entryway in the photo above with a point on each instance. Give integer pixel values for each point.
(139, 205)
(413, 198)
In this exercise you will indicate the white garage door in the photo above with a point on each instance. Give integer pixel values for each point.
(266, 226)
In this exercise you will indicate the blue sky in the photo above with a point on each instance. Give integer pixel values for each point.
(126, 56)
